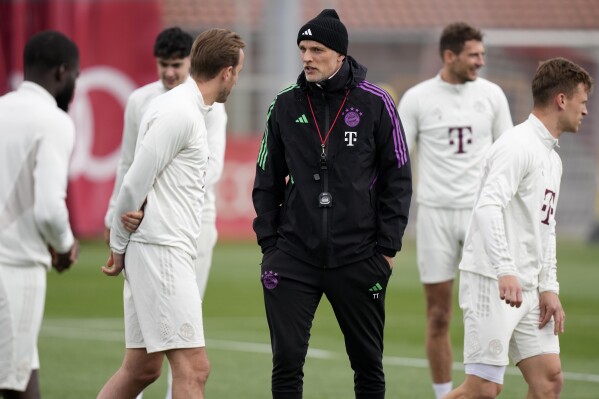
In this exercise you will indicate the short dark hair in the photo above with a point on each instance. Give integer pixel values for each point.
(455, 35)
(48, 49)
(214, 50)
(172, 43)
(558, 75)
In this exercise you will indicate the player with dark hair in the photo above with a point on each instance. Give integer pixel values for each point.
(452, 119)
(36, 142)
(173, 43)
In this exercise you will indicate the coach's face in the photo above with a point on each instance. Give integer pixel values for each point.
(319, 61)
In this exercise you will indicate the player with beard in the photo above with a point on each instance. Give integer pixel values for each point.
(162, 302)
(36, 141)
(171, 50)
(453, 118)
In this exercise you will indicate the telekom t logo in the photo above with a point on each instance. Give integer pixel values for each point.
(350, 138)
(548, 202)
(461, 138)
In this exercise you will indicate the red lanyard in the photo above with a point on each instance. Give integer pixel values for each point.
(324, 142)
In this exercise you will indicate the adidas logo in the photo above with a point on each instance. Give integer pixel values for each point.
(307, 32)
(375, 288)
(302, 119)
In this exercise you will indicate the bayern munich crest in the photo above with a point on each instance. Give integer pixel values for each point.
(352, 116)
(270, 279)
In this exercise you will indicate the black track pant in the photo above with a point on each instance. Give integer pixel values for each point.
(292, 291)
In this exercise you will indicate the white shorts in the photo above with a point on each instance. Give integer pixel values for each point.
(440, 234)
(203, 262)
(162, 303)
(22, 298)
(493, 329)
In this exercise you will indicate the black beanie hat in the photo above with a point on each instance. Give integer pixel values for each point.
(327, 29)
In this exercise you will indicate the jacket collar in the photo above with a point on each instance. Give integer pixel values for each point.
(347, 77)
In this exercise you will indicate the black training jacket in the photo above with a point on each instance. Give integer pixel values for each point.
(367, 172)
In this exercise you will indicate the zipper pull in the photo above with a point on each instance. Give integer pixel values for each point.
(323, 158)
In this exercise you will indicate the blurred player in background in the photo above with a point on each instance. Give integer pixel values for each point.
(36, 141)
(454, 118)
(163, 305)
(508, 273)
(171, 49)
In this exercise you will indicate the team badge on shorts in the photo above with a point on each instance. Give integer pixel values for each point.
(495, 347)
(270, 279)
(186, 331)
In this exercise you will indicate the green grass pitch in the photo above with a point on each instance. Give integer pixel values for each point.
(81, 341)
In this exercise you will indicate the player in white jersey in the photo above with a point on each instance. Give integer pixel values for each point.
(171, 49)
(162, 301)
(36, 141)
(453, 119)
(508, 274)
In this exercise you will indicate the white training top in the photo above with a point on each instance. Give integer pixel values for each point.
(36, 142)
(216, 123)
(169, 169)
(512, 230)
(454, 125)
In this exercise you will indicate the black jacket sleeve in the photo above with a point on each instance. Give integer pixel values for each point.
(394, 180)
(269, 183)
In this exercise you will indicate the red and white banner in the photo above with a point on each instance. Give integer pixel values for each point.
(115, 40)
(235, 211)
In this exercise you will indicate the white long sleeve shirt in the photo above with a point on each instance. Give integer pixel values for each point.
(512, 230)
(216, 123)
(169, 169)
(453, 125)
(36, 142)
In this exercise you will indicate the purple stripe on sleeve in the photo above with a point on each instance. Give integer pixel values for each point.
(374, 181)
(398, 138)
(400, 145)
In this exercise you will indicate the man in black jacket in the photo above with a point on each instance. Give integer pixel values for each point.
(332, 194)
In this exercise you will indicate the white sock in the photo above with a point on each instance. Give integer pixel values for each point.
(442, 389)
(140, 395)
(169, 384)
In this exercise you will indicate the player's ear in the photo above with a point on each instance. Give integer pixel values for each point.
(449, 56)
(60, 72)
(560, 100)
(227, 72)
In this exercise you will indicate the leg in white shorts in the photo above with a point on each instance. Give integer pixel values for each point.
(495, 331)
(440, 236)
(162, 304)
(203, 263)
(22, 298)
